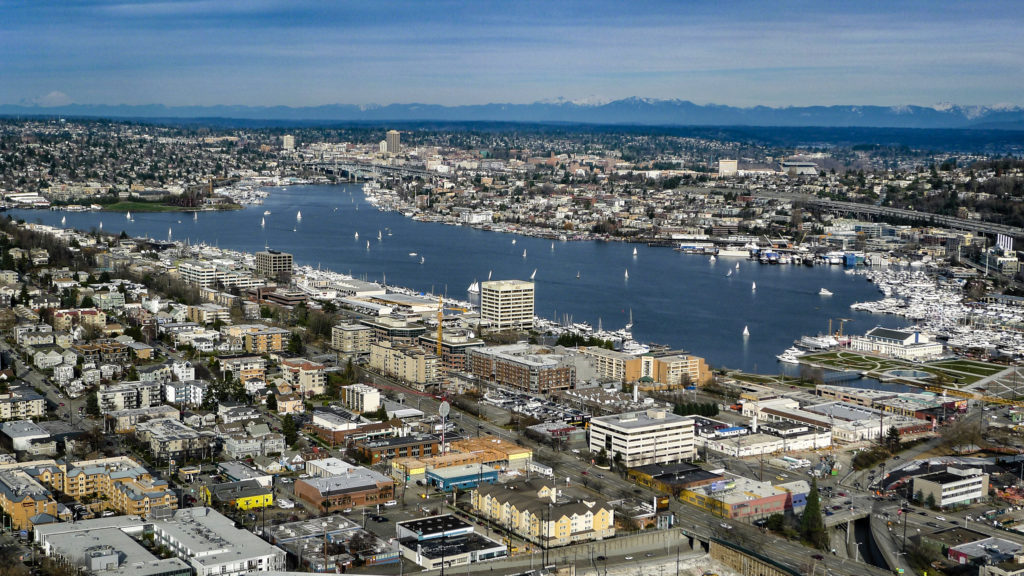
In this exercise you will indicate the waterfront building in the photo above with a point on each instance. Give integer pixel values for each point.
(638, 438)
(507, 304)
(901, 344)
(273, 263)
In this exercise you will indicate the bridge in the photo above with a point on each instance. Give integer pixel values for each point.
(366, 169)
(845, 516)
(913, 215)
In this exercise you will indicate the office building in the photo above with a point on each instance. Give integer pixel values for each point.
(273, 263)
(288, 142)
(952, 487)
(507, 304)
(394, 141)
(360, 398)
(638, 438)
(357, 487)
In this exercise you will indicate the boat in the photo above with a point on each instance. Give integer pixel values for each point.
(474, 288)
(489, 272)
(577, 275)
(712, 259)
(195, 216)
(513, 241)
(263, 222)
(627, 274)
(422, 259)
(63, 220)
(298, 216)
(634, 251)
(791, 355)
(552, 246)
(367, 244)
(128, 215)
(737, 265)
(413, 254)
(534, 275)
(266, 212)
(824, 292)
(629, 325)
(379, 236)
(357, 235)
(524, 253)
(101, 224)
(753, 286)
(728, 274)
(746, 331)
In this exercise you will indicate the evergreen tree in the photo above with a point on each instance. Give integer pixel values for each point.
(295, 344)
(272, 402)
(812, 526)
(291, 433)
(92, 404)
(892, 439)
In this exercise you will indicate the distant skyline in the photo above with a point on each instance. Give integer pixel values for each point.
(302, 53)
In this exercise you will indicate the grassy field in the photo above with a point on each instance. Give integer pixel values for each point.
(955, 371)
(970, 367)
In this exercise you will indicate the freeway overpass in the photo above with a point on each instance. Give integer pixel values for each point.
(366, 169)
(913, 215)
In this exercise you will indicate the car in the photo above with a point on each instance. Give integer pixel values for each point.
(817, 556)
(779, 478)
(922, 513)
(629, 557)
(726, 526)
(896, 457)
(62, 404)
(841, 494)
(585, 473)
(601, 558)
(649, 554)
(391, 503)
(600, 475)
(954, 522)
(346, 511)
(940, 518)
(837, 507)
(829, 513)
(848, 502)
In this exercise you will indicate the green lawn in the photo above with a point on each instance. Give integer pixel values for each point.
(135, 206)
(970, 367)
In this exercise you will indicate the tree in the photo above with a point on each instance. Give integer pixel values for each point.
(291, 433)
(92, 404)
(892, 439)
(295, 344)
(929, 501)
(812, 527)
(272, 402)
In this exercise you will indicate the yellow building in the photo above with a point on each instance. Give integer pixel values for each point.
(658, 372)
(533, 511)
(125, 485)
(266, 340)
(24, 498)
(244, 495)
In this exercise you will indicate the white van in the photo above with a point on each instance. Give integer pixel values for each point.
(391, 503)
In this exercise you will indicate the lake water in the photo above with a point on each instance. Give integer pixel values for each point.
(677, 299)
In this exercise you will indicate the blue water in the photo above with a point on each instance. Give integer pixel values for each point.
(677, 299)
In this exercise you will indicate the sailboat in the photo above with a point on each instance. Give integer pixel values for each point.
(577, 274)
(128, 215)
(753, 286)
(629, 325)
(357, 235)
(627, 274)
(63, 220)
(367, 245)
(101, 224)
(263, 222)
(489, 272)
(474, 288)
(195, 216)
(168, 234)
(379, 236)
(422, 259)
(737, 265)
(712, 259)
(513, 241)
(298, 216)
(634, 251)
(524, 253)
(534, 275)
(728, 274)
(552, 246)
(746, 331)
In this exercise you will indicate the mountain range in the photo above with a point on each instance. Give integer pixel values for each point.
(628, 111)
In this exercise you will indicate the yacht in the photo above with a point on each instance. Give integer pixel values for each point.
(824, 292)
(413, 254)
(791, 355)
(266, 212)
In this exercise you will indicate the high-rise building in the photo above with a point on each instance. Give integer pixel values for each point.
(288, 142)
(271, 263)
(727, 167)
(394, 140)
(507, 304)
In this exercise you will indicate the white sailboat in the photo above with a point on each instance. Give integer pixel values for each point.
(298, 216)
(524, 253)
(513, 241)
(634, 251)
(263, 222)
(489, 272)
(534, 275)
(379, 236)
(629, 325)
(577, 274)
(728, 274)
(357, 235)
(552, 246)
(627, 274)
(128, 215)
(712, 259)
(168, 234)
(63, 220)
(753, 286)
(195, 216)
(746, 331)
(367, 245)
(101, 224)
(474, 288)
(422, 259)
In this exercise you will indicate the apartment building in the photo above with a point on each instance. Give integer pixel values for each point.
(360, 398)
(169, 439)
(533, 511)
(507, 304)
(522, 366)
(266, 340)
(305, 377)
(352, 339)
(21, 403)
(411, 364)
(126, 395)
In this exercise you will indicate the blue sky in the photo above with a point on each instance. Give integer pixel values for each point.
(302, 53)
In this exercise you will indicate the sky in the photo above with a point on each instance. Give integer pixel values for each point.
(305, 53)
